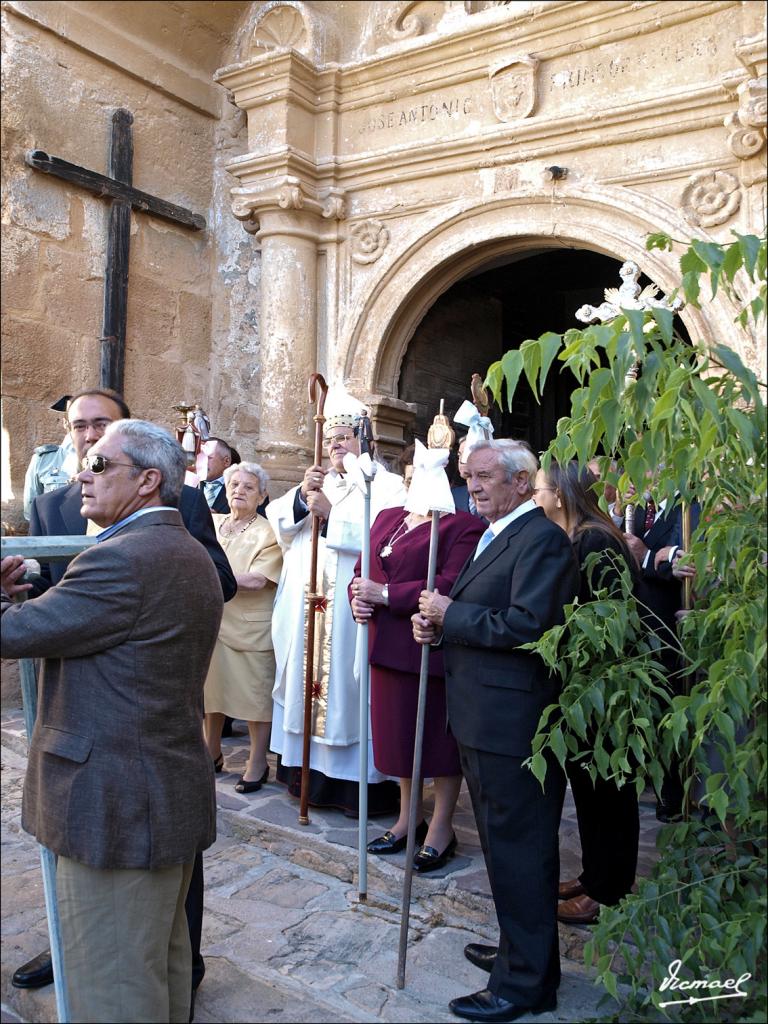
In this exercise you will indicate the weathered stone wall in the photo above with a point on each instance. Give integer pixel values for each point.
(379, 153)
(415, 147)
(234, 395)
(59, 97)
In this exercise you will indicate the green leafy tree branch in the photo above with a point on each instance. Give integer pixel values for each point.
(691, 417)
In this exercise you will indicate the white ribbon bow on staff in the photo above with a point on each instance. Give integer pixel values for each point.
(430, 490)
(479, 427)
(361, 469)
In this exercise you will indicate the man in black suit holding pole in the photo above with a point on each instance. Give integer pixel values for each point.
(509, 593)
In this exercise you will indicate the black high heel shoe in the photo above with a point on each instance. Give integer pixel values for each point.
(428, 859)
(218, 764)
(388, 843)
(243, 786)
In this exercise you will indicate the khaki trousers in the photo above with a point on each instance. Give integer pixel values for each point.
(127, 956)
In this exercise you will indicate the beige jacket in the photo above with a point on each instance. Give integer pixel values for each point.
(247, 621)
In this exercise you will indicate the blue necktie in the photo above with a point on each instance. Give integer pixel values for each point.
(483, 543)
(211, 490)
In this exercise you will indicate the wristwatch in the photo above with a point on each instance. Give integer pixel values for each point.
(385, 593)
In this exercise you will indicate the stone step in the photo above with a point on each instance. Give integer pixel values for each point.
(285, 935)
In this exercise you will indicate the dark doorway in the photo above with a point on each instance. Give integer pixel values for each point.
(497, 308)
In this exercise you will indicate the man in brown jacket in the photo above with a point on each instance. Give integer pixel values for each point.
(119, 783)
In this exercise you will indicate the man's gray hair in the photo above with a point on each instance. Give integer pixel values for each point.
(151, 447)
(248, 467)
(514, 457)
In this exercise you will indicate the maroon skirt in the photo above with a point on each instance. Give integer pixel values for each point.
(394, 700)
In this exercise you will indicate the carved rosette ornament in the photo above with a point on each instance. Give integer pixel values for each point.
(513, 86)
(746, 127)
(369, 239)
(711, 198)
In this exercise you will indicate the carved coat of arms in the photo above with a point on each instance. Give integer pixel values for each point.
(513, 85)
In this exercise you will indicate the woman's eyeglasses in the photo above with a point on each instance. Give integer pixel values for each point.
(98, 463)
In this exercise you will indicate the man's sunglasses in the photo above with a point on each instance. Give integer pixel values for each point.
(98, 463)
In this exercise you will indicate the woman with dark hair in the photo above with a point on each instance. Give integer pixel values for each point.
(609, 825)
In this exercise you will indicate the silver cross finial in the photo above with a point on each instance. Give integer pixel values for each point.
(628, 296)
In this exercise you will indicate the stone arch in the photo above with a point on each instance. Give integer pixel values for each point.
(453, 242)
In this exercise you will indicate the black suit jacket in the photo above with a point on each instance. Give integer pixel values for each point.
(509, 596)
(662, 591)
(57, 514)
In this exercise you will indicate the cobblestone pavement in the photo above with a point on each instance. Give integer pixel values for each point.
(285, 937)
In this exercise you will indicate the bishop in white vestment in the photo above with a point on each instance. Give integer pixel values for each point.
(334, 744)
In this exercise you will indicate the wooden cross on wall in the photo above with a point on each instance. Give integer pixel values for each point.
(117, 188)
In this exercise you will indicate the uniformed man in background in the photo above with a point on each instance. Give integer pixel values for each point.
(51, 465)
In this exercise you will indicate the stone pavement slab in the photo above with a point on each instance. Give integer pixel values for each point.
(285, 937)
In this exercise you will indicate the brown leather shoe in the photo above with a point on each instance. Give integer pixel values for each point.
(567, 890)
(579, 910)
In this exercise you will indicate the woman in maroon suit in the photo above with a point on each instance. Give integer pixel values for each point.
(399, 559)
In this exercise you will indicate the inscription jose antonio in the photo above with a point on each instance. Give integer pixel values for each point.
(403, 117)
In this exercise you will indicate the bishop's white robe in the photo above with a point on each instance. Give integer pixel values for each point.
(334, 744)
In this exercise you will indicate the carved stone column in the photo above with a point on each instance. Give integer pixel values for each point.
(392, 419)
(288, 351)
(288, 238)
(292, 208)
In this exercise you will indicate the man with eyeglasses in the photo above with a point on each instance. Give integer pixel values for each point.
(119, 783)
(333, 497)
(58, 513)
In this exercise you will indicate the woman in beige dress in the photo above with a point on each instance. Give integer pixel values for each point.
(242, 671)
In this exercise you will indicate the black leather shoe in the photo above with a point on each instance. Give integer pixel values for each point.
(36, 973)
(428, 859)
(389, 843)
(486, 1005)
(481, 956)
